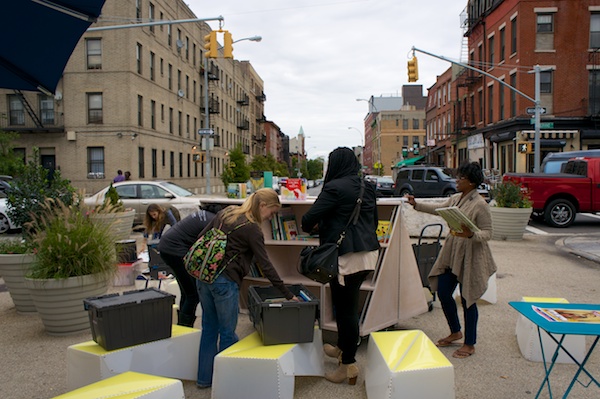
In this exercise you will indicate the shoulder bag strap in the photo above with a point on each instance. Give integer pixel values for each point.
(355, 213)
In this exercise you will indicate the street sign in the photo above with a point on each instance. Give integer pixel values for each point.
(543, 125)
(531, 111)
(205, 131)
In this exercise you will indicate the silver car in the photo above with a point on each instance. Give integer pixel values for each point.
(139, 194)
(5, 223)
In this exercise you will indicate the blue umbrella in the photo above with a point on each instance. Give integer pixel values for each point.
(39, 37)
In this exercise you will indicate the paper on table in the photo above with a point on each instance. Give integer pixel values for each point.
(455, 219)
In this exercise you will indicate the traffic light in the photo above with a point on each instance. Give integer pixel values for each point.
(526, 148)
(210, 44)
(413, 69)
(228, 45)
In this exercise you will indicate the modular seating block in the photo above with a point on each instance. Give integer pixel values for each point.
(129, 385)
(249, 369)
(529, 341)
(406, 364)
(175, 357)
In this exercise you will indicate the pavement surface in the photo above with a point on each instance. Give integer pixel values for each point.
(33, 364)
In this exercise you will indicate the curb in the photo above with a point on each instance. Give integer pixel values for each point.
(564, 244)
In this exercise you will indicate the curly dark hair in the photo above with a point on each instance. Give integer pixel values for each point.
(472, 171)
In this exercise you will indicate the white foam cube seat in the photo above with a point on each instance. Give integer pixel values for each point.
(407, 364)
(529, 341)
(174, 357)
(129, 385)
(490, 295)
(249, 369)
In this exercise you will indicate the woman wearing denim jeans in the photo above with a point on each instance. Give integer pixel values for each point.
(465, 259)
(220, 299)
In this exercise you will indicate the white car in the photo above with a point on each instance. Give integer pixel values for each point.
(5, 223)
(139, 194)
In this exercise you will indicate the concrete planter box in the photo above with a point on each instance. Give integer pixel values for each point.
(13, 268)
(509, 223)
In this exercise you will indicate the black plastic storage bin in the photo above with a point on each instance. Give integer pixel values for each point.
(282, 322)
(133, 318)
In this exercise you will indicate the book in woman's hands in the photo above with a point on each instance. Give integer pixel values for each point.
(455, 219)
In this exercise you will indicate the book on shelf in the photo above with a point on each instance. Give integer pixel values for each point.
(290, 229)
(456, 218)
(384, 228)
(284, 224)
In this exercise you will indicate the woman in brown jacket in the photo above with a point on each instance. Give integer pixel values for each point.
(465, 259)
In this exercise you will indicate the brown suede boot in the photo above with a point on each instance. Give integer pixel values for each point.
(332, 351)
(343, 372)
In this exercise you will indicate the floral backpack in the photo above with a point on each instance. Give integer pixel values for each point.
(204, 260)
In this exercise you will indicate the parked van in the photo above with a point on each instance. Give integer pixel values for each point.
(554, 161)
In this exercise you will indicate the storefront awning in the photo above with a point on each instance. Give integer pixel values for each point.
(551, 134)
(410, 161)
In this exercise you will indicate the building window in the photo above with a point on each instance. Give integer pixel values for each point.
(187, 87)
(194, 54)
(501, 102)
(162, 17)
(180, 164)
(416, 142)
(164, 160)
(16, 110)
(178, 79)
(595, 30)
(187, 125)
(162, 67)
(138, 9)
(46, 109)
(152, 58)
(138, 57)
(513, 36)
(594, 92)
(162, 113)
(95, 160)
(154, 163)
(187, 48)
(405, 141)
(502, 44)
(490, 104)
(480, 100)
(170, 120)
(180, 123)
(513, 96)
(140, 107)
(170, 77)
(172, 164)
(404, 124)
(546, 82)
(491, 52)
(415, 124)
(153, 114)
(93, 48)
(141, 162)
(480, 61)
(189, 169)
(169, 36)
(545, 23)
(151, 16)
(94, 101)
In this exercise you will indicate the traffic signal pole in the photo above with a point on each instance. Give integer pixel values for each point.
(537, 70)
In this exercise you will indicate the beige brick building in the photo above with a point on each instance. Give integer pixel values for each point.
(133, 99)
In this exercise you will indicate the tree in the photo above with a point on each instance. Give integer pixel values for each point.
(9, 161)
(315, 169)
(237, 171)
(269, 163)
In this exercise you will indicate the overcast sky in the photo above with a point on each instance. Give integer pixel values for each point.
(318, 56)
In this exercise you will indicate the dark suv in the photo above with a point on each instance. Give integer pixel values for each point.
(424, 181)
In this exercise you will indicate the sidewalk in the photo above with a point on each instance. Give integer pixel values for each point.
(33, 364)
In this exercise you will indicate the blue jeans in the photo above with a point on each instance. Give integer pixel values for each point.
(219, 302)
(447, 283)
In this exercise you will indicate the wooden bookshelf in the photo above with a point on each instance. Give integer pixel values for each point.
(393, 292)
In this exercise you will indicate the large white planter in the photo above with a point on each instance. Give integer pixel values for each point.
(120, 223)
(59, 302)
(13, 268)
(509, 223)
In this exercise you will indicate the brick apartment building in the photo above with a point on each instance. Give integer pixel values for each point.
(134, 99)
(471, 116)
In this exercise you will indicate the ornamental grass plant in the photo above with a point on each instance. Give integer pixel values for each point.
(69, 244)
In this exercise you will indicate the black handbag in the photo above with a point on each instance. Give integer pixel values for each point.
(320, 263)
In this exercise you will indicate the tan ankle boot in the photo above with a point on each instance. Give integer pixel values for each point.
(349, 371)
(332, 351)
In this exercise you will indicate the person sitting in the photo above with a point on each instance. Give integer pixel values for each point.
(119, 177)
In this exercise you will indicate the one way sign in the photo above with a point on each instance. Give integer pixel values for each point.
(531, 111)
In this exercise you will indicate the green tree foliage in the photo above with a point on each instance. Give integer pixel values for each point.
(9, 162)
(237, 171)
(315, 169)
(269, 163)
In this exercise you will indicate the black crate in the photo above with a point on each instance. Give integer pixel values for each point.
(282, 322)
(133, 318)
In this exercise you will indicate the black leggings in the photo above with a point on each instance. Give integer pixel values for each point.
(345, 305)
(187, 284)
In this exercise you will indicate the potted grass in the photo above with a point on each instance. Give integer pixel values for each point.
(75, 259)
(511, 209)
(113, 214)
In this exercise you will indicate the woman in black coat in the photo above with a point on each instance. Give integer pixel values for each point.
(358, 251)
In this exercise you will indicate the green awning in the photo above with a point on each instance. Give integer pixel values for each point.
(410, 161)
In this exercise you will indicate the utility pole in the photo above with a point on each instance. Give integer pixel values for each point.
(536, 101)
(206, 134)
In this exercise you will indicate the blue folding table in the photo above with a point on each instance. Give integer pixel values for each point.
(562, 329)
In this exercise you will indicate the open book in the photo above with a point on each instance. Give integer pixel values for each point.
(455, 219)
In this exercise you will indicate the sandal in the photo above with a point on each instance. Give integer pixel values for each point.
(462, 354)
(446, 342)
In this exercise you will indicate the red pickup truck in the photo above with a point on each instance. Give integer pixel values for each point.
(558, 197)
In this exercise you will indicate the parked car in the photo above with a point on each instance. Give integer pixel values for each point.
(139, 194)
(5, 223)
(4, 182)
(384, 185)
(555, 161)
(424, 181)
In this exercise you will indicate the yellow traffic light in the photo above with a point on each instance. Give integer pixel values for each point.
(413, 69)
(228, 45)
(530, 149)
(210, 45)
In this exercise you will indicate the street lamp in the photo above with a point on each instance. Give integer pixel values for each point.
(207, 134)
(362, 137)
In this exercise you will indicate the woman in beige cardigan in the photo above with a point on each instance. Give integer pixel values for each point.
(465, 259)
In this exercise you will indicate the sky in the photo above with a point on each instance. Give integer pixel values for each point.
(317, 57)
